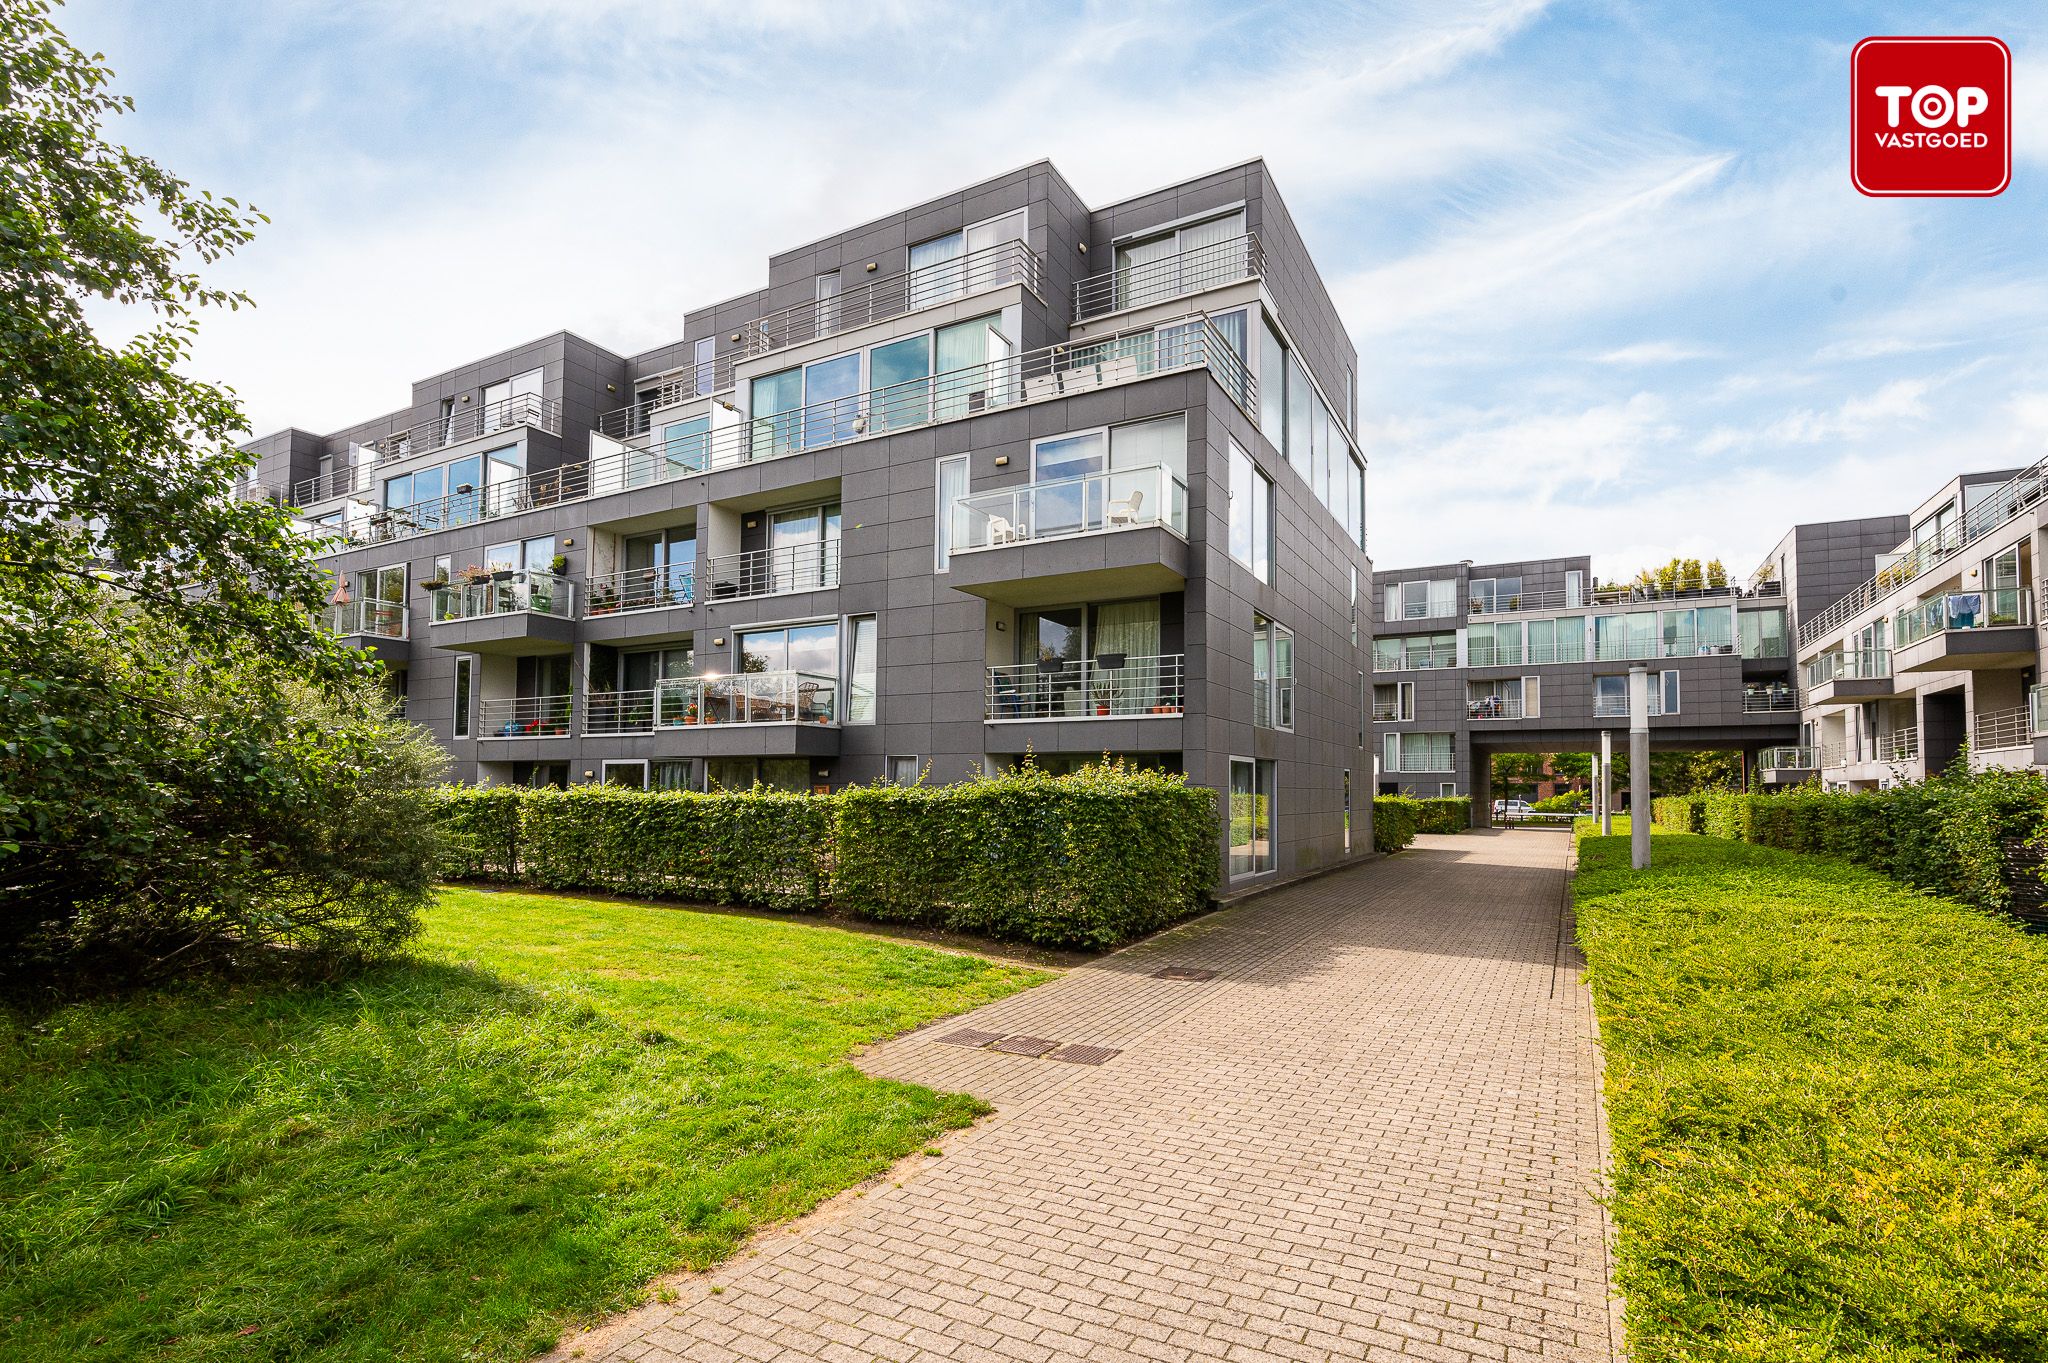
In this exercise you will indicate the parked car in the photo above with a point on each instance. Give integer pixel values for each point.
(1511, 809)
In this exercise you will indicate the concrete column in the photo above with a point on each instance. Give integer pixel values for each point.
(1606, 796)
(1482, 790)
(1639, 766)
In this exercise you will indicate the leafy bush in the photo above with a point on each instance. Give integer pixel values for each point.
(1396, 819)
(163, 808)
(1947, 835)
(1565, 802)
(1828, 1100)
(1086, 860)
(1444, 814)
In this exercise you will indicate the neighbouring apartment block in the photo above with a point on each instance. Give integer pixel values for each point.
(997, 474)
(1471, 659)
(1924, 641)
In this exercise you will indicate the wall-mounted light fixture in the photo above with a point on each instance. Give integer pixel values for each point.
(611, 388)
(568, 542)
(718, 642)
(871, 267)
(590, 776)
(752, 523)
(1084, 248)
(725, 404)
(1000, 627)
(465, 397)
(1002, 461)
(735, 338)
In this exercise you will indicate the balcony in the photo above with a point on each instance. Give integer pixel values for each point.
(524, 409)
(1851, 676)
(1998, 730)
(1639, 648)
(1781, 760)
(1388, 714)
(993, 267)
(378, 628)
(1779, 699)
(2001, 508)
(1419, 658)
(1109, 686)
(695, 381)
(640, 589)
(1833, 756)
(766, 714)
(507, 611)
(1616, 707)
(1188, 343)
(1903, 744)
(1601, 598)
(525, 717)
(1071, 538)
(1495, 707)
(1966, 631)
(772, 572)
(377, 619)
(1176, 276)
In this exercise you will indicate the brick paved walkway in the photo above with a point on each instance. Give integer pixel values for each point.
(1373, 1135)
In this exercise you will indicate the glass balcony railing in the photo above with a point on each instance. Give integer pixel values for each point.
(1786, 759)
(526, 717)
(2001, 608)
(505, 592)
(1869, 664)
(1417, 658)
(2037, 711)
(1106, 686)
(1124, 499)
(381, 619)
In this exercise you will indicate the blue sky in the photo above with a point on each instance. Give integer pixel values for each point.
(1611, 287)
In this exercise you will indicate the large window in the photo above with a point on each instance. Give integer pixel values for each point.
(1494, 643)
(1301, 401)
(1560, 640)
(1185, 260)
(1251, 514)
(860, 672)
(803, 544)
(1421, 599)
(948, 266)
(1272, 386)
(1416, 752)
(951, 485)
(464, 666)
(1393, 702)
(1495, 594)
(1251, 816)
(1272, 674)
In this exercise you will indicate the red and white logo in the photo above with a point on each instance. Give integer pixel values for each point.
(1930, 117)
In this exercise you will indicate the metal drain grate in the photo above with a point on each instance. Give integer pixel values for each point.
(1084, 1055)
(1183, 972)
(968, 1037)
(1025, 1045)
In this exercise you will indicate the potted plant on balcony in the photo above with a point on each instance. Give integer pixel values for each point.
(604, 599)
(559, 565)
(475, 575)
(1102, 698)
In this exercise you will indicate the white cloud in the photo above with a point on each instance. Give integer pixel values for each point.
(1658, 352)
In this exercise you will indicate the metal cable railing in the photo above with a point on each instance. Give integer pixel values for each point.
(767, 572)
(1170, 277)
(992, 267)
(1995, 729)
(1107, 685)
(1063, 370)
(2001, 508)
(523, 409)
(696, 381)
(639, 589)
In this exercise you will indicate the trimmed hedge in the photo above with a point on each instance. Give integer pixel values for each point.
(1086, 860)
(1445, 814)
(1947, 836)
(1396, 819)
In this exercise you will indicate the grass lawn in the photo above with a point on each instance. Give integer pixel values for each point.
(450, 1158)
(1829, 1103)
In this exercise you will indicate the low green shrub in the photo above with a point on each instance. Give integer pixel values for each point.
(1828, 1101)
(1947, 835)
(1084, 861)
(1395, 821)
(1564, 802)
(1444, 814)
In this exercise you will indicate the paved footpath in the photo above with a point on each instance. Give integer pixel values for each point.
(1372, 1134)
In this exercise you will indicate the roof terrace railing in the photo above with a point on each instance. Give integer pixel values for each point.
(1175, 276)
(1063, 370)
(1574, 598)
(2001, 508)
(521, 409)
(697, 381)
(992, 267)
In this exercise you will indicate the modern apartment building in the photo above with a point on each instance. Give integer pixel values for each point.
(997, 474)
(1470, 660)
(1924, 638)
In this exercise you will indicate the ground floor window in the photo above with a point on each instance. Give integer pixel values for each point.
(1251, 816)
(903, 771)
(674, 776)
(1448, 790)
(631, 773)
(743, 773)
(1066, 764)
(538, 774)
